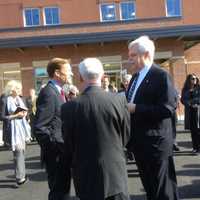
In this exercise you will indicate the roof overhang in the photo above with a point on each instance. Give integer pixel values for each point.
(185, 33)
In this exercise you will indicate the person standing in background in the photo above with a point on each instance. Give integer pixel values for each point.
(6, 137)
(31, 105)
(151, 104)
(106, 83)
(47, 128)
(72, 93)
(190, 98)
(174, 122)
(14, 114)
(125, 82)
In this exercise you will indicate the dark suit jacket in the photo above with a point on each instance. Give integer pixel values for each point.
(192, 114)
(47, 124)
(151, 128)
(96, 128)
(6, 122)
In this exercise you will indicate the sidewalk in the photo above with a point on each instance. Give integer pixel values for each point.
(187, 167)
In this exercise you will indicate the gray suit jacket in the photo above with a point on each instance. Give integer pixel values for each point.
(47, 125)
(96, 128)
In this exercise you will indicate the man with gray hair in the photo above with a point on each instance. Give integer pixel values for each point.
(96, 127)
(151, 104)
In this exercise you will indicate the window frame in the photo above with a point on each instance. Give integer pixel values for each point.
(44, 16)
(176, 15)
(101, 16)
(120, 9)
(24, 16)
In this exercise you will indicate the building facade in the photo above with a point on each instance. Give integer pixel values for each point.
(32, 32)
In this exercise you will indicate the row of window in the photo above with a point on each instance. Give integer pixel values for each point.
(107, 12)
(50, 16)
(128, 10)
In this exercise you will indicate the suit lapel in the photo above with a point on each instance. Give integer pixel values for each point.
(145, 82)
(55, 90)
(129, 86)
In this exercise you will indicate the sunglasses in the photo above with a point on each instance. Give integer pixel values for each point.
(193, 78)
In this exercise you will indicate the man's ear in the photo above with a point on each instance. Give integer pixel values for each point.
(147, 55)
(56, 73)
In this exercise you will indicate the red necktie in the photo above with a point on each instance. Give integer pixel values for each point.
(62, 94)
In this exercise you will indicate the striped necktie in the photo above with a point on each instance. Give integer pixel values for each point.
(132, 89)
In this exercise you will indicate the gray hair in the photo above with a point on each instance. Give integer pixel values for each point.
(73, 89)
(91, 69)
(12, 86)
(127, 77)
(144, 44)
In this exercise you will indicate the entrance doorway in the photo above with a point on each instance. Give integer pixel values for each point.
(113, 68)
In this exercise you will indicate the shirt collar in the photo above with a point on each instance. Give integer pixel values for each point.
(56, 84)
(145, 69)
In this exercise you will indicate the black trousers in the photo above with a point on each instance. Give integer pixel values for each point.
(195, 131)
(58, 174)
(158, 178)
(119, 196)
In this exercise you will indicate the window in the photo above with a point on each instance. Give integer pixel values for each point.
(41, 78)
(173, 8)
(127, 10)
(108, 12)
(31, 17)
(51, 16)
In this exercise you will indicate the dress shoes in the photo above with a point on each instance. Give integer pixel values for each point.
(176, 148)
(21, 182)
(196, 151)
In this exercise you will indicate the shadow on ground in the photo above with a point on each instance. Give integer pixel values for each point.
(132, 173)
(190, 191)
(183, 153)
(185, 144)
(137, 197)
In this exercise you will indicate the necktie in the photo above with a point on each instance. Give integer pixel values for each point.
(132, 89)
(62, 94)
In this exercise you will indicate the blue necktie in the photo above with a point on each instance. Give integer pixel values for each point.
(132, 89)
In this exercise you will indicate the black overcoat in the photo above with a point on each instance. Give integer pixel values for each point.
(96, 129)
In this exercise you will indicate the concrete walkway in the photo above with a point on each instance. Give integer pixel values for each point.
(187, 167)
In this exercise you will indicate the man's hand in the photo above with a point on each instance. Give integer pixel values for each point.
(131, 107)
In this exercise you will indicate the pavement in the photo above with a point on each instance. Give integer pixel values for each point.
(187, 169)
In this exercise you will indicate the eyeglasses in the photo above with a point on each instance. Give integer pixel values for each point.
(193, 78)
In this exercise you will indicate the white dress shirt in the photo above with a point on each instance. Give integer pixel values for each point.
(141, 77)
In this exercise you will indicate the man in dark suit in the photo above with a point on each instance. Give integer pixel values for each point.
(151, 103)
(47, 128)
(96, 128)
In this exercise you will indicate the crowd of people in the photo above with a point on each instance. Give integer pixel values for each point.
(84, 136)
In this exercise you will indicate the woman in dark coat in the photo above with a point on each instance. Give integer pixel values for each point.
(190, 98)
(6, 122)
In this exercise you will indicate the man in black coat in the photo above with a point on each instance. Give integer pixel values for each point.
(151, 103)
(47, 128)
(96, 129)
